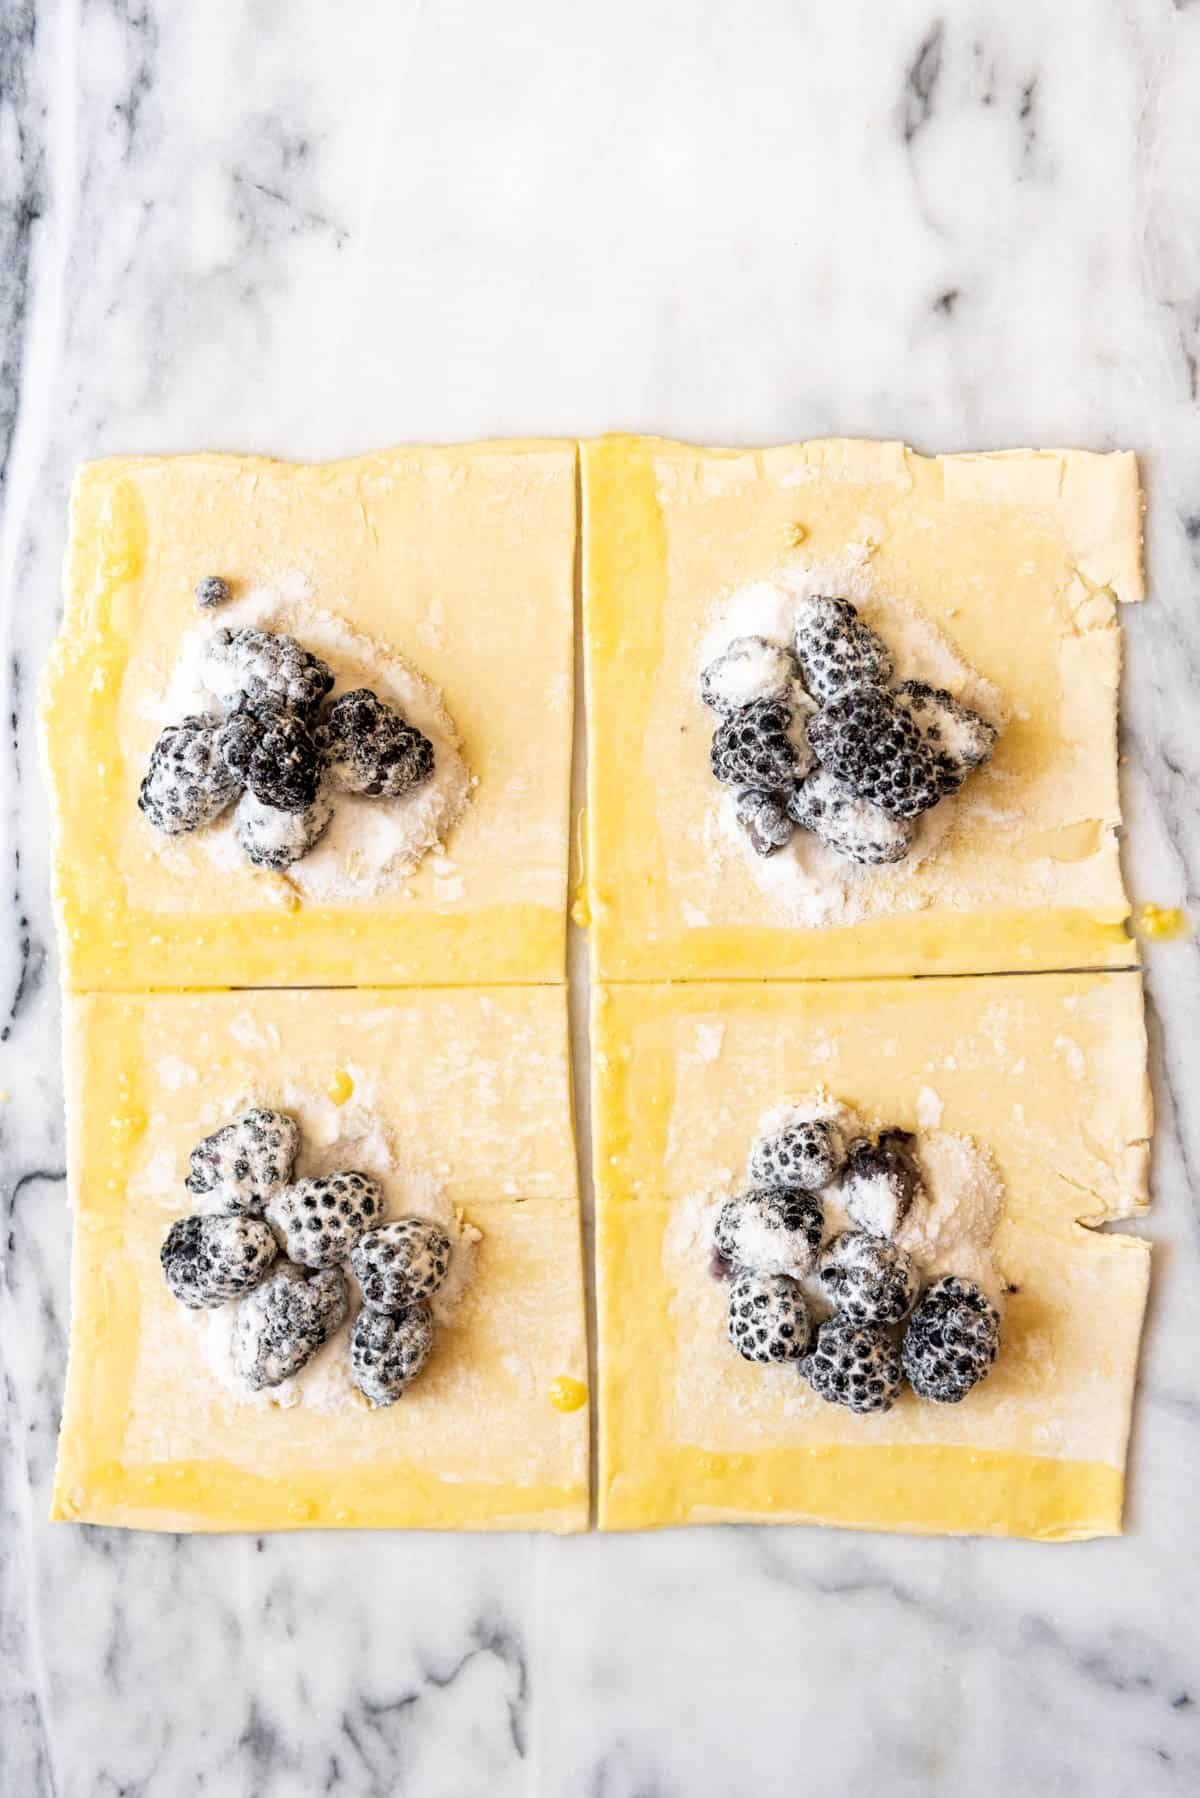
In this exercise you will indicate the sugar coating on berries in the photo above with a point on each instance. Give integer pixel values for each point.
(254, 667)
(750, 669)
(188, 782)
(208, 1260)
(760, 746)
(400, 1263)
(372, 749)
(764, 818)
(868, 1279)
(245, 1163)
(276, 754)
(805, 1154)
(387, 1352)
(768, 1318)
(321, 1219)
(880, 1182)
(271, 838)
(282, 1323)
(959, 738)
(853, 827)
(951, 1341)
(855, 1365)
(836, 650)
(770, 1230)
(872, 746)
(212, 591)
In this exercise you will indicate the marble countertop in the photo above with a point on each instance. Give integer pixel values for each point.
(313, 228)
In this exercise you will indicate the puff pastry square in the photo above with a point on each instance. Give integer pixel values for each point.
(1048, 1074)
(470, 1092)
(461, 560)
(1017, 560)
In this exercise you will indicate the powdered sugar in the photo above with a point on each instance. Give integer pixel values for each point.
(271, 838)
(876, 1204)
(371, 844)
(749, 668)
(333, 1138)
(809, 882)
(959, 737)
(949, 1229)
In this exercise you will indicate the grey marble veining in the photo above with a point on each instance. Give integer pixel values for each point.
(308, 228)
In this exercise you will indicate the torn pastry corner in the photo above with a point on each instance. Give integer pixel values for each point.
(1133, 1167)
(1126, 1259)
(1129, 1154)
(1119, 1187)
(1128, 1197)
(1095, 496)
(1102, 511)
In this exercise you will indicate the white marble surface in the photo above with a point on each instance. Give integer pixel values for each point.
(309, 228)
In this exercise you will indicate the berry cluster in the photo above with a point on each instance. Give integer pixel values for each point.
(813, 736)
(278, 1246)
(768, 1240)
(276, 748)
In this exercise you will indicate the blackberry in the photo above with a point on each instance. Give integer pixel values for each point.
(959, 738)
(836, 650)
(879, 1182)
(246, 1162)
(320, 1220)
(853, 827)
(207, 1260)
(768, 1319)
(276, 754)
(868, 1279)
(806, 1155)
(764, 818)
(752, 668)
(400, 1263)
(188, 782)
(856, 1365)
(373, 750)
(951, 1341)
(760, 746)
(283, 1323)
(388, 1352)
(254, 668)
(770, 1230)
(212, 591)
(270, 838)
(871, 744)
